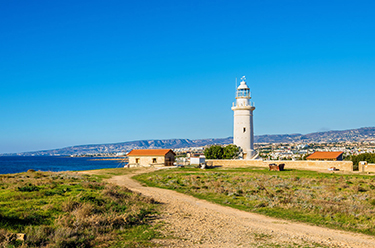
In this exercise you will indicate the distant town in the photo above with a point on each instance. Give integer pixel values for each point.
(297, 151)
(272, 151)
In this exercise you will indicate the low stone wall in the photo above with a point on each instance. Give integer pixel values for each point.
(368, 168)
(236, 162)
(300, 164)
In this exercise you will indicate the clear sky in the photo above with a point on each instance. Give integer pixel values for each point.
(87, 72)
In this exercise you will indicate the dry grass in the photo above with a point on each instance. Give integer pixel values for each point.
(71, 210)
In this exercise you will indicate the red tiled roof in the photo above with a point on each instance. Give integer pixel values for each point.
(324, 155)
(149, 152)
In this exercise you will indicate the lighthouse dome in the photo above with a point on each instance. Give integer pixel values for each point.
(243, 86)
(243, 90)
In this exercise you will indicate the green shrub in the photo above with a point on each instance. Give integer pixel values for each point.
(28, 188)
(369, 157)
(220, 152)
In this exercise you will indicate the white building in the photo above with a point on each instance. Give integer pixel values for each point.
(197, 160)
(243, 121)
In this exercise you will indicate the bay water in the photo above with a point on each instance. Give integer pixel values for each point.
(16, 164)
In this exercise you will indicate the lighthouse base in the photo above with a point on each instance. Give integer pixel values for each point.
(250, 154)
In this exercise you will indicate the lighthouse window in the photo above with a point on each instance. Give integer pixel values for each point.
(244, 129)
(243, 93)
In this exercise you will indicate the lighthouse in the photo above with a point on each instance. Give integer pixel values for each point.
(243, 135)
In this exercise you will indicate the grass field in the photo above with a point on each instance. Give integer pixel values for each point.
(337, 201)
(73, 210)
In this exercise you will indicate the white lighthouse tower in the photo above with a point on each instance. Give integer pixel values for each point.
(243, 121)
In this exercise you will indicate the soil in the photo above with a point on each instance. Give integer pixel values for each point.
(191, 222)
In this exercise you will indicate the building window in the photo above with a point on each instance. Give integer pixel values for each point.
(244, 129)
(154, 160)
(137, 160)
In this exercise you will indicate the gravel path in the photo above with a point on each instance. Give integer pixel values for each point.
(198, 223)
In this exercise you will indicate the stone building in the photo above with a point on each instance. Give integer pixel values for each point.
(326, 156)
(151, 157)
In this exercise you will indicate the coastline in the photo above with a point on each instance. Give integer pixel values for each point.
(107, 159)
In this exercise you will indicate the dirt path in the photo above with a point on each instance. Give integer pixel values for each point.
(198, 223)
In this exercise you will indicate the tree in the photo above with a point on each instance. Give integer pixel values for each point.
(231, 151)
(219, 152)
(369, 157)
(214, 152)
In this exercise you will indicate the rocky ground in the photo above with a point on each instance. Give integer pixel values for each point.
(191, 222)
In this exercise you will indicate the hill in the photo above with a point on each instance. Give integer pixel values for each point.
(352, 135)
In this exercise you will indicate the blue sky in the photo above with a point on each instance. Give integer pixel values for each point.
(86, 72)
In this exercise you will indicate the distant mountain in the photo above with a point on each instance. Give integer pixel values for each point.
(125, 146)
(353, 135)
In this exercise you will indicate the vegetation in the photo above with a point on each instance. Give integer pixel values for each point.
(369, 157)
(72, 210)
(339, 201)
(305, 156)
(220, 152)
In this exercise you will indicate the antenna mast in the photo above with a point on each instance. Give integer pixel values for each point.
(235, 88)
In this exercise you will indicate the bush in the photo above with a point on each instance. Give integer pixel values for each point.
(231, 151)
(219, 152)
(28, 188)
(369, 157)
(214, 152)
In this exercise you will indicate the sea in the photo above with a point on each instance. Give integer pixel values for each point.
(16, 164)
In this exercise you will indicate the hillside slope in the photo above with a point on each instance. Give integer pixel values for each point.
(352, 135)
